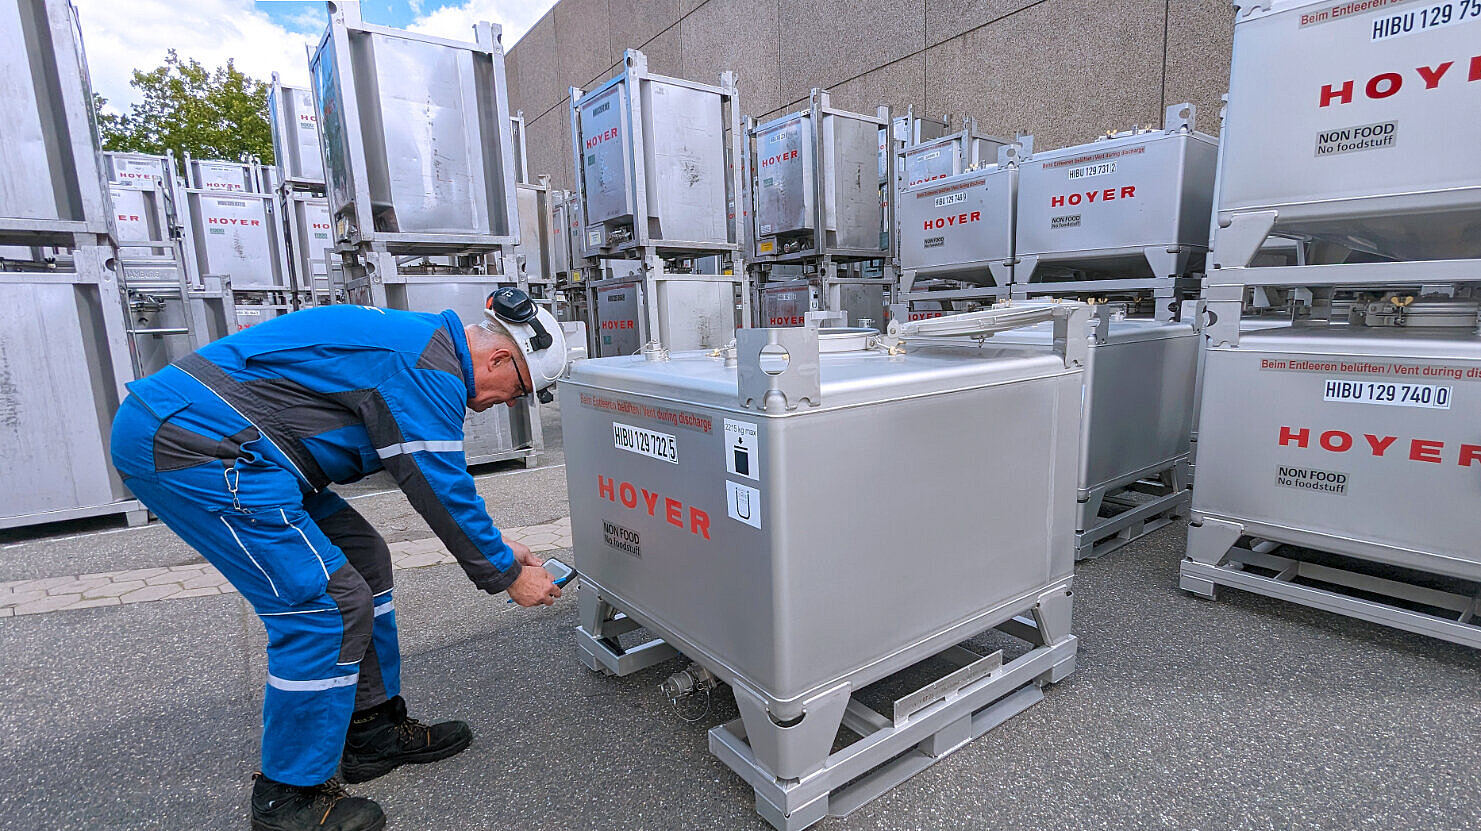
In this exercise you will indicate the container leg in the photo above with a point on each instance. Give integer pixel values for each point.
(792, 749)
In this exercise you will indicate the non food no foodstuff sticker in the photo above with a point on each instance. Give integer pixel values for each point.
(740, 449)
(743, 503)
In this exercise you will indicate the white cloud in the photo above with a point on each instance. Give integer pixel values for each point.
(136, 34)
(456, 22)
(123, 36)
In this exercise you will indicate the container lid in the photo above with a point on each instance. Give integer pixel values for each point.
(844, 339)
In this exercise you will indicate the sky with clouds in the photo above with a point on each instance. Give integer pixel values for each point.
(262, 37)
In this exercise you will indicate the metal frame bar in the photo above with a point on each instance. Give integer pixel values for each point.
(1097, 536)
(1465, 629)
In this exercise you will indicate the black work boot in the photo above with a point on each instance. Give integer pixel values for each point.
(382, 739)
(326, 807)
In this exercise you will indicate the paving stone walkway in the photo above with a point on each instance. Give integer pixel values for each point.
(141, 585)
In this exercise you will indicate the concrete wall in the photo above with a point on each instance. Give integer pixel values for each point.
(1064, 70)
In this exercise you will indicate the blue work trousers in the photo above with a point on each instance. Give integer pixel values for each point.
(316, 573)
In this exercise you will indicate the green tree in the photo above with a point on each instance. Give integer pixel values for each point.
(220, 114)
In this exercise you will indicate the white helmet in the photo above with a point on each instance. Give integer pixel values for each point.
(537, 333)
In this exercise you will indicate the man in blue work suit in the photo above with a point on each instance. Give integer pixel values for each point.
(233, 447)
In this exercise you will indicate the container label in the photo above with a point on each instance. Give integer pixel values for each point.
(1311, 479)
(625, 540)
(651, 443)
(1353, 139)
(1433, 16)
(1067, 221)
(740, 449)
(950, 199)
(934, 154)
(594, 239)
(934, 242)
(767, 246)
(743, 503)
(1388, 394)
(1102, 169)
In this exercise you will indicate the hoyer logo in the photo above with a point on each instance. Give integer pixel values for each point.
(787, 320)
(780, 157)
(1416, 450)
(605, 135)
(320, 226)
(953, 220)
(305, 118)
(619, 324)
(1386, 84)
(228, 220)
(127, 218)
(1107, 195)
(634, 498)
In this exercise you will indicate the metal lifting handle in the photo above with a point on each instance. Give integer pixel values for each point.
(1068, 316)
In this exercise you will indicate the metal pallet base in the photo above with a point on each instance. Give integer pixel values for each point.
(1233, 571)
(1171, 500)
(529, 455)
(133, 511)
(927, 724)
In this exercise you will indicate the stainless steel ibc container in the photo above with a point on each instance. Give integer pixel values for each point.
(1362, 441)
(1138, 418)
(698, 314)
(1356, 126)
(223, 176)
(961, 227)
(717, 500)
(238, 236)
(51, 179)
(1134, 205)
(416, 136)
(809, 183)
(651, 153)
(295, 129)
(949, 155)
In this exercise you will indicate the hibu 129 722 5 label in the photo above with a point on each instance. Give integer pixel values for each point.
(650, 443)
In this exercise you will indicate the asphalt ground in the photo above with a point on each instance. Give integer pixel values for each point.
(1244, 713)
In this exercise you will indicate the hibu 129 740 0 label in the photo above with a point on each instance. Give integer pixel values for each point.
(1389, 394)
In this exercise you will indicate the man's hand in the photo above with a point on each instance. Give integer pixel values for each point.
(523, 555)
(533, 586)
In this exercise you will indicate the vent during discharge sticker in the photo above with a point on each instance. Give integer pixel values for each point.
(740, 448)
(743, 503)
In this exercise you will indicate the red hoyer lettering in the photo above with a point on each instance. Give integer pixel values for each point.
(954, 219)
(780, 157)
(786, 321)
(605, 135)
(1126, 192)
(1341, 441)
(619, 324)
(635, 498)
(1384, 84)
